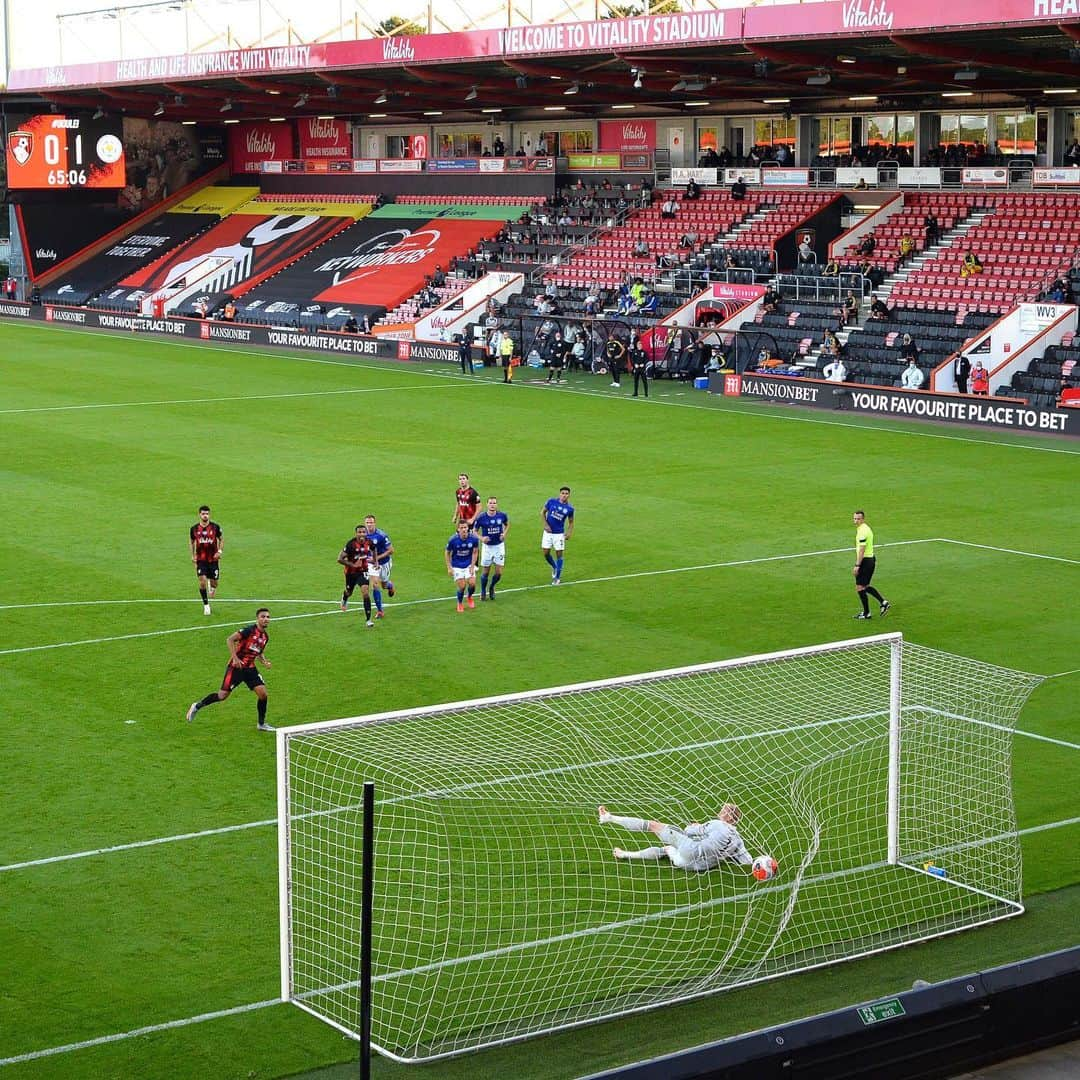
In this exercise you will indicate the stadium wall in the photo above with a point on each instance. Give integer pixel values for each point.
(504, 185)
(937, 1031)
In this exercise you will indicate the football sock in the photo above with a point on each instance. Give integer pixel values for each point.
(210, 699)
(460, 595)
(484, 584)
(558, 566)
(651, 854)
(472, 589)
(634, 824)
(494, 582)
(378, 599)
(549, 559)
(367, 606)
(261, 704)
(865, 602)
(871, 591)
(205, 599)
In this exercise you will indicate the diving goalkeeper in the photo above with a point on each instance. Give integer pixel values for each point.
(697, 847)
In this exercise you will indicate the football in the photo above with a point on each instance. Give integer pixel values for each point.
(764, 867)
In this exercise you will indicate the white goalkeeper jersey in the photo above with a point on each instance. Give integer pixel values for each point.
(704, 847)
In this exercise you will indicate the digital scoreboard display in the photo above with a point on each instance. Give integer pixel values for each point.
(55, 152)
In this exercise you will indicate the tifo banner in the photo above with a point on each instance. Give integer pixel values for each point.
(627, 135)
(950, 408)
(255, 246)
(313, 206)
(215, 200)
(457, 212)
(125, 256)
(254, 142)
(392, 265)
(321, 137)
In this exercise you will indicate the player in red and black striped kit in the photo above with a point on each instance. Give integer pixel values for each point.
(467, 501)
(360, 559)
(248, 647)
(206, 547)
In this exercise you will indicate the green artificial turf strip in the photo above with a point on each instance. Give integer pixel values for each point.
(96, 752)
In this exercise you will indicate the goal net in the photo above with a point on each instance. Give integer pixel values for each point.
(876, 773)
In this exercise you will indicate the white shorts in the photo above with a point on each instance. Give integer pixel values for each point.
(463, 573)
(493, 553)
(382, 572)
(553, 540)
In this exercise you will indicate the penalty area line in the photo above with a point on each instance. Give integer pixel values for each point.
(444, 599)
(200, 1018)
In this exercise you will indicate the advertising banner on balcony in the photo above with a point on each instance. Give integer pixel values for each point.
(323, 138)
(627, 135)
(252, 143)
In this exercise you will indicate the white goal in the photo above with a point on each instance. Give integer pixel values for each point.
(876, 773)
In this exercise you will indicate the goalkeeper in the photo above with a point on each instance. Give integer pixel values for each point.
(697, 847)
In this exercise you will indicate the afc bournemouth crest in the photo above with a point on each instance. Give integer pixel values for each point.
(21, 145)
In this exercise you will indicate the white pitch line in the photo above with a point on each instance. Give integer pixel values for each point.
(150, 1029)
(215, 400)
(1062, 674)
(443, 599)
(185, 600)
(1012, 551)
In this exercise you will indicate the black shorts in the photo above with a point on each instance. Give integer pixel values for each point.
(359, 578)
(208, 570)
(557, 361)
(234, 676)
(865, 571)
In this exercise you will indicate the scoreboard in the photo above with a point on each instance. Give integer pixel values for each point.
(56, 152)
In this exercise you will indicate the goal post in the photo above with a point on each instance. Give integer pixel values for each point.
(875, 771)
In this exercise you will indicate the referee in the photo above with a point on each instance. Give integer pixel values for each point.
(865, 564)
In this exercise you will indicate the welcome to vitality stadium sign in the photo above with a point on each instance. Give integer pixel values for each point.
(830, 18)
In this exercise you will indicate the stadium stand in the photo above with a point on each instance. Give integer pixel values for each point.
(1047, 378)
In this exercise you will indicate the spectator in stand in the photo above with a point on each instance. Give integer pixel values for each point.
(866, 246)
(692, 191)
(637, 292)
(625, 301)
(851, 309)
(438, 279)
(933, 229)
(668, 208)
(649, 304)
(770, 301)
(879, 309)
(229, 311)
(498, 147)
(835, 371)
(614, 358)
(970, 266)
(689, 240)
(830, 345)
(980, 380)
(908, 349)
(738, 189)
(832, 269)
(961, 372)
(578, 353)
(907, 247)
(912, 377)
(640, 249)
(1056, 293)
(351, 326)
(11, 288)
(592, 300)
(860, 184)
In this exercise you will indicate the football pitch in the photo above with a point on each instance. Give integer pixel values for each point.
(138, 878)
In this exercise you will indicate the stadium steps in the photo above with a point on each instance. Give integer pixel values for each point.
(950, 239)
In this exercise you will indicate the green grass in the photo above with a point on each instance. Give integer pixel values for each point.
(96, 753)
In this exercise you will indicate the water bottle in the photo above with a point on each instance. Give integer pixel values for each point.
(936, 871)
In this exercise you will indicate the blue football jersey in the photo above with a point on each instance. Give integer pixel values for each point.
(461, 549)
(557, 515)
(380, 542)
(489, 527)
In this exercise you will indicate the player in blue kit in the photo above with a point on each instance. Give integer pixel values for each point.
(558, 518)
(491, 527)
(461, 551)
(379, 571)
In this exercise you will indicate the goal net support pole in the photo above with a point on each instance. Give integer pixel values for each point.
(875, 771)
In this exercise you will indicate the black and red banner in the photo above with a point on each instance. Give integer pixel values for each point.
(255, 245)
